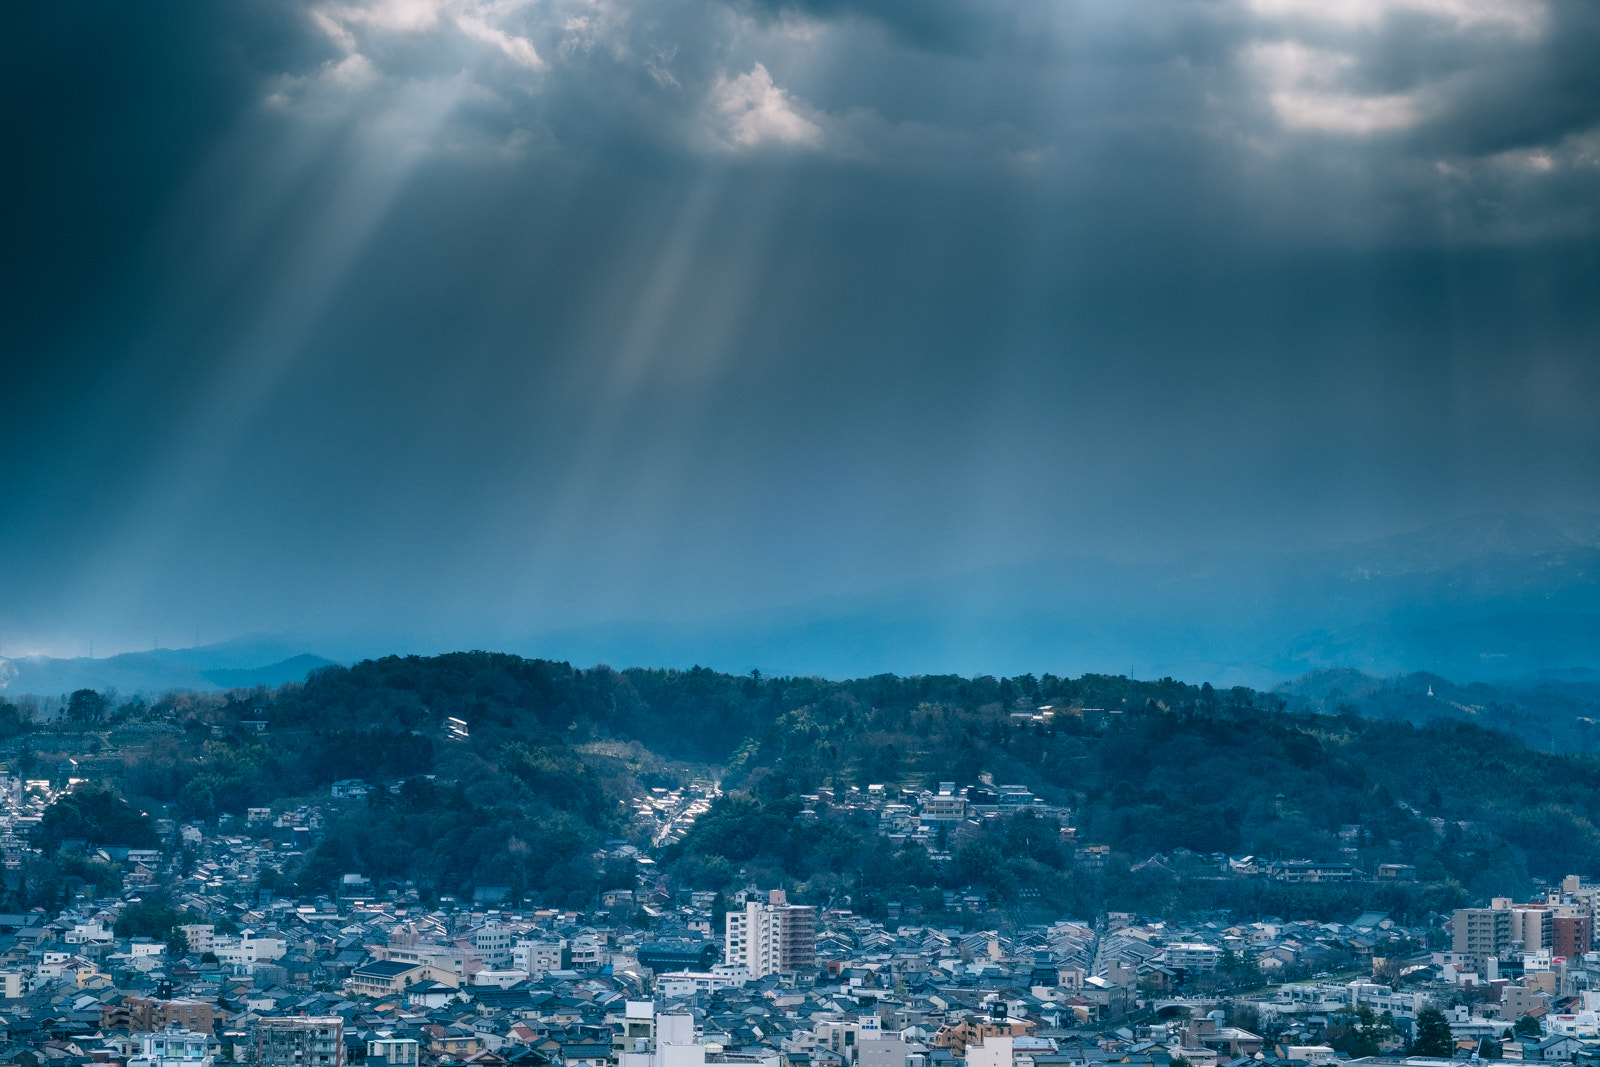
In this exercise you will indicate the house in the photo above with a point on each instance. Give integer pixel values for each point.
(384, 977)
(1295, 871)
(1396, 872)
(586, 1053)
(454, 1040)
(1552, 1049)
(393, 1051)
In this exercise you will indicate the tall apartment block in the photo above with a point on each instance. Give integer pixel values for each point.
(773, 937)
(1534, 926)
(1573, 935)
(1482, 932)
(300, 1041)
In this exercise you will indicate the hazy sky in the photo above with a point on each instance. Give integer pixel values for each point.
(458, 319)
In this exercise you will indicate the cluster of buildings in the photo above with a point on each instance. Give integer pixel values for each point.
(667, 814)
(652, 978)
(394, 983)
(938, 819)
(1512, 938)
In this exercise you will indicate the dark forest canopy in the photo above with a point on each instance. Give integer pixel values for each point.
(553, 753)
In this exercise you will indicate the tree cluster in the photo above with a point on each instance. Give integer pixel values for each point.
(1156, 770)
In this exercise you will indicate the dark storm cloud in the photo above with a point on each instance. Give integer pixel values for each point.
(460, 318)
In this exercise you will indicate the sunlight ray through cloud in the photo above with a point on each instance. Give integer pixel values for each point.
(594, 309)
(263, 349)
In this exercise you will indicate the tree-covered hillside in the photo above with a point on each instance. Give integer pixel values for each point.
(553, 753)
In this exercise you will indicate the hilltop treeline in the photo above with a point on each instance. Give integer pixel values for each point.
(1155, 768)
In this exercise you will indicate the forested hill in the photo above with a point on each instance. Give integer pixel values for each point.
(552, 754)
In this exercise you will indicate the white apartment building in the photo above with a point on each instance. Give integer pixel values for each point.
(441, 959)
(172, 1047)
(993, 1051)
(687, 983)
(394, 1051)
(502, 979)
(1192, 956)
(587, 953)
(534, 956)
(95, 931)
(844, 1036)
(245, 951)
(493, 942)
(202, 937)
(771, 938)
(882, 1052)
(675, 1045)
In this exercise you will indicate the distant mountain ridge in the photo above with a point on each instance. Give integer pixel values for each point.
(293, 669)
(243, 663)
(1556, 711)
(1486, 598)
(1490, 597)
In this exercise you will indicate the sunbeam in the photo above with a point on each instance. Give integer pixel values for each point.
(425, 323)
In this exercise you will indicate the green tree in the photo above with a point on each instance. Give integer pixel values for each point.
(1433, 1035)
(152, 917)
(1528, 1026)
(86, 707)
(100, 817)
(12, 721)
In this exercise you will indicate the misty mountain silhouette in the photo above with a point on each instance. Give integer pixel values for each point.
(1488, 598)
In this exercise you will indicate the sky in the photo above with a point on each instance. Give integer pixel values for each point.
(450, 321)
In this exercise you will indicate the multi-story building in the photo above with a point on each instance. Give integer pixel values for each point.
(1192, 957)
(1533, 925)
(300, 1041)
(1482, 933)
(201, 937)
(145, 1014)
(533, 956)
(881, 1052)
(674, 984)
(1517, 1001)
(944, 806)
(1009, 797)
(1572, 935)
(844, 1036)
(92, 932)
(636, 1023)
(958, 1037)
(394, 1051)
(172, 1047)
(242, 953)
(587, 953)
(439, 959)
(1312, 871)
(771, 938)
(676, 954)
(492, 942)
(381, 978)
(676, 1045)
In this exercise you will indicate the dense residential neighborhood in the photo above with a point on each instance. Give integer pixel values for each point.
(654, 976)
(475, 859)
